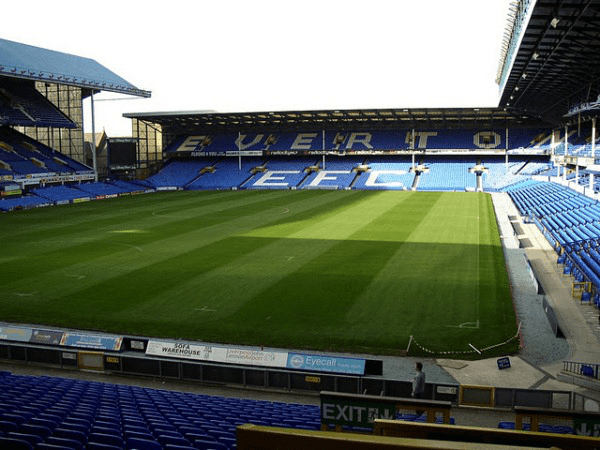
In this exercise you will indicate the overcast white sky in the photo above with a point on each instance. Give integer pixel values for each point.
(275, 55)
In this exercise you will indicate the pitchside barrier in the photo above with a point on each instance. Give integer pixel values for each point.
(44, 349)
(441, 432)
(255, 437)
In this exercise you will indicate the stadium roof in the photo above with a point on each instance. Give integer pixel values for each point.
(183, 122)
(552, 63)
(38, 64)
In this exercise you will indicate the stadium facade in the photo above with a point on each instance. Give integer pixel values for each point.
(549, 99)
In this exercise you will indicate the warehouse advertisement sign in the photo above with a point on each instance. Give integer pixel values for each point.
(217, 354)
(320, 363)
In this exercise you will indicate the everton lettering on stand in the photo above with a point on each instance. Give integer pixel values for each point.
(355, 142)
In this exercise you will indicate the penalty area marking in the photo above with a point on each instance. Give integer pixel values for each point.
(135, 247)
(157, 213)
(22, 294)
(79, 277)
(473, 325)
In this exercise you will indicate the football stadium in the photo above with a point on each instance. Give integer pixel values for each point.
(266, 280)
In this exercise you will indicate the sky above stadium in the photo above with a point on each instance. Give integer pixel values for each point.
(274, 55)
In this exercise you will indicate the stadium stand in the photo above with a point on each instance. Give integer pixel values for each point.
(227, 174)
(22, 202)
(132, 186)
(80, 414)
(99, 189)
(570, 222)
(447, 174)
(177, 173)
(22, 104)
(329, 179)
(60, 193)
(281, 174)
(24, 156)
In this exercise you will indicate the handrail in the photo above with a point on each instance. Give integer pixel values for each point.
(590, 370)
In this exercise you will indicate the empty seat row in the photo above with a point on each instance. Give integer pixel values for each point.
(44, 411)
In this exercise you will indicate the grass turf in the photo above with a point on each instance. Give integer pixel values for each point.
(357, 271)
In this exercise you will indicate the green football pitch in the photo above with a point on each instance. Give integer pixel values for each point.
(355, 271)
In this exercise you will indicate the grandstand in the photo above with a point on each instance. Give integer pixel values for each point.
(538, 147)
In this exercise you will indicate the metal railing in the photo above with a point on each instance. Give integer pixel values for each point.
(581, 368)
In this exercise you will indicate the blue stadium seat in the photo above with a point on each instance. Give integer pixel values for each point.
(7, 426)
(38, 430)
(70, 434)
(65, 442)
(143, 444)
(15, 444)
(205, 445)
(99, 446)
(31, 438)
(102, 438)
(81, 409)
(178, 447)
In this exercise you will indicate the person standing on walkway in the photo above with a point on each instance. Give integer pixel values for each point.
(418, 382)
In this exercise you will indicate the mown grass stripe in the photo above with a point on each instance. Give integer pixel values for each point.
(341, 270)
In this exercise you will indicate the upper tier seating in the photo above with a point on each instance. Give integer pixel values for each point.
(22, 104)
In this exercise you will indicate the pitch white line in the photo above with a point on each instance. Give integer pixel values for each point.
(79, 277)
(139, 249)
(473, 325)
(20, 294)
